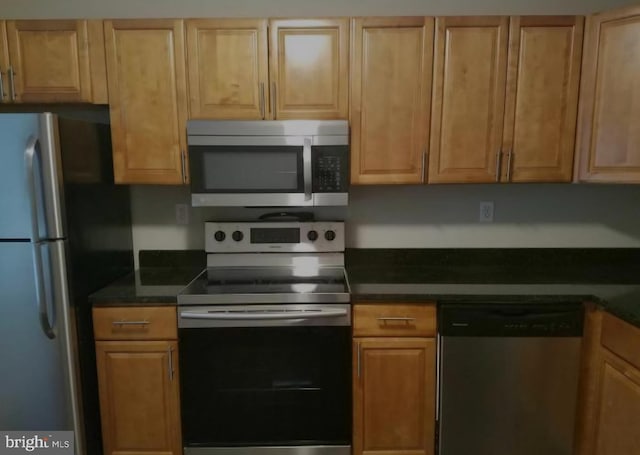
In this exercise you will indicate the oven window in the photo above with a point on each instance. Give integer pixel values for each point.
(266, 386)
(247, 169)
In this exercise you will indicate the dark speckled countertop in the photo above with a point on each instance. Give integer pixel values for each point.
(609, 277)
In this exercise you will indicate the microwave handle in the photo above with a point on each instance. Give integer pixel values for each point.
(306, 168)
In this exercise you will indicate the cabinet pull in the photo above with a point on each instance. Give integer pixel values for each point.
(359, 360)
(171, 372)
(183, 159)
(12, 83)
(424, 162)
(262, 102)
(274, 99)
(509, 165)
(121, 323)
(393, 318)
(498, 165)
(1, 88)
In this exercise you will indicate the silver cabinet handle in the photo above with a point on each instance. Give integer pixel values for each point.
(274, 99)
(359, 360)
(261, 88)
(498, 165)
(424, 161)
(121, 323)
(509, 165)
(183, 157)
(306, 168)
(12, 83)
(32, 149)
(1, 88)
(170, 355)
(393, 318)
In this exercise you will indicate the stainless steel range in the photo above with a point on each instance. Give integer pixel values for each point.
(265, 342)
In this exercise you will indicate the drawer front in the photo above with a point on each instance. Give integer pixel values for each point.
(622, 338)
(394, 319)
(135, 323)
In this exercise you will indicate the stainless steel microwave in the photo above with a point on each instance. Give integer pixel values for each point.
(275, 163)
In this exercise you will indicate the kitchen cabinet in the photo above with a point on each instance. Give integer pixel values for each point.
(391, 68)
(504, 99)
(300, 71)
(228, 68)
(610, 392)
(394, 376)
(52, 61)
(608, 141)
(137, 360)
(147, 100)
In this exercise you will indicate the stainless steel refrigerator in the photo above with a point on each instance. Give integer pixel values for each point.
(65, 231)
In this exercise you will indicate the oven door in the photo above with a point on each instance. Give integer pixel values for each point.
(266, 379)
(250, 171)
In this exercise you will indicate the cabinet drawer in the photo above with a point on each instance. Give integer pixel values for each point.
(394, 319)
(135, 323)
(621, 338)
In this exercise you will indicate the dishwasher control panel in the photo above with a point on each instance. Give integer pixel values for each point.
(511, 320)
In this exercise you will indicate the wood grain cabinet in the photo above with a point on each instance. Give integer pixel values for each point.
(610, 391)
(394, 377)
(609, 129)
(138, 380)
(52, 61)
(504, 100)
(391, 67)
(147, 100)
(260, 69)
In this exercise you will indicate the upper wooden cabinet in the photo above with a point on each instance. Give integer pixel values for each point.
(542, 98)
(470, 65)
(609, 129)
(391, 67)
(52, 61)
(228, 76)
(147, 100)
(309, 70)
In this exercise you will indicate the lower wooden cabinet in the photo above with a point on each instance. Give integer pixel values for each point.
(394, 386)
(138, 381)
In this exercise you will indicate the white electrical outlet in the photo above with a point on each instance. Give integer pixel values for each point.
(182, 213)
(486, 212)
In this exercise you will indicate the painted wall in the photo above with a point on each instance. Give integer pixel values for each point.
(35, 9)
(429, 217)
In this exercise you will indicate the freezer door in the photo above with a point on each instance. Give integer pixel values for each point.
(33, 389)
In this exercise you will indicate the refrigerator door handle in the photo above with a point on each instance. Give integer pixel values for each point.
(31, 151)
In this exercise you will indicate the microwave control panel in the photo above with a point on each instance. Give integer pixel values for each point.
(331, 169)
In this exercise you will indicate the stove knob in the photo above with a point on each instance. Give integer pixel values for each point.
(237, 236)
(219, 236)
(312, 235)
(330, 235)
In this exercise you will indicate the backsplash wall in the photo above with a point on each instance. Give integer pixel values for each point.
(437, 216)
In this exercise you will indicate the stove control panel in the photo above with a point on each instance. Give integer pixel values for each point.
(274, 237)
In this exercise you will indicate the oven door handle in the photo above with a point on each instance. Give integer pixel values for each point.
(266, 316)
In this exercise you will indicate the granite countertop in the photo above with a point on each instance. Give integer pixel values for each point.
(609, 277)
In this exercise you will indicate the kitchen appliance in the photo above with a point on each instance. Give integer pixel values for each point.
(269, 163)
(265, 342)
(65, 231)
(508, 378)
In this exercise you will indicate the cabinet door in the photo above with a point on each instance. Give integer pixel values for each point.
(391, 81)
(309, 68)
(50, 61)
(542, 98)
(470, 64)
(619, 407)
(4, 64)
(227, 68)
(147, 100)
(139, 397)
(609, 131)
(394, 396)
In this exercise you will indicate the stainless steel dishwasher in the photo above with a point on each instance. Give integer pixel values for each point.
(508, 378)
